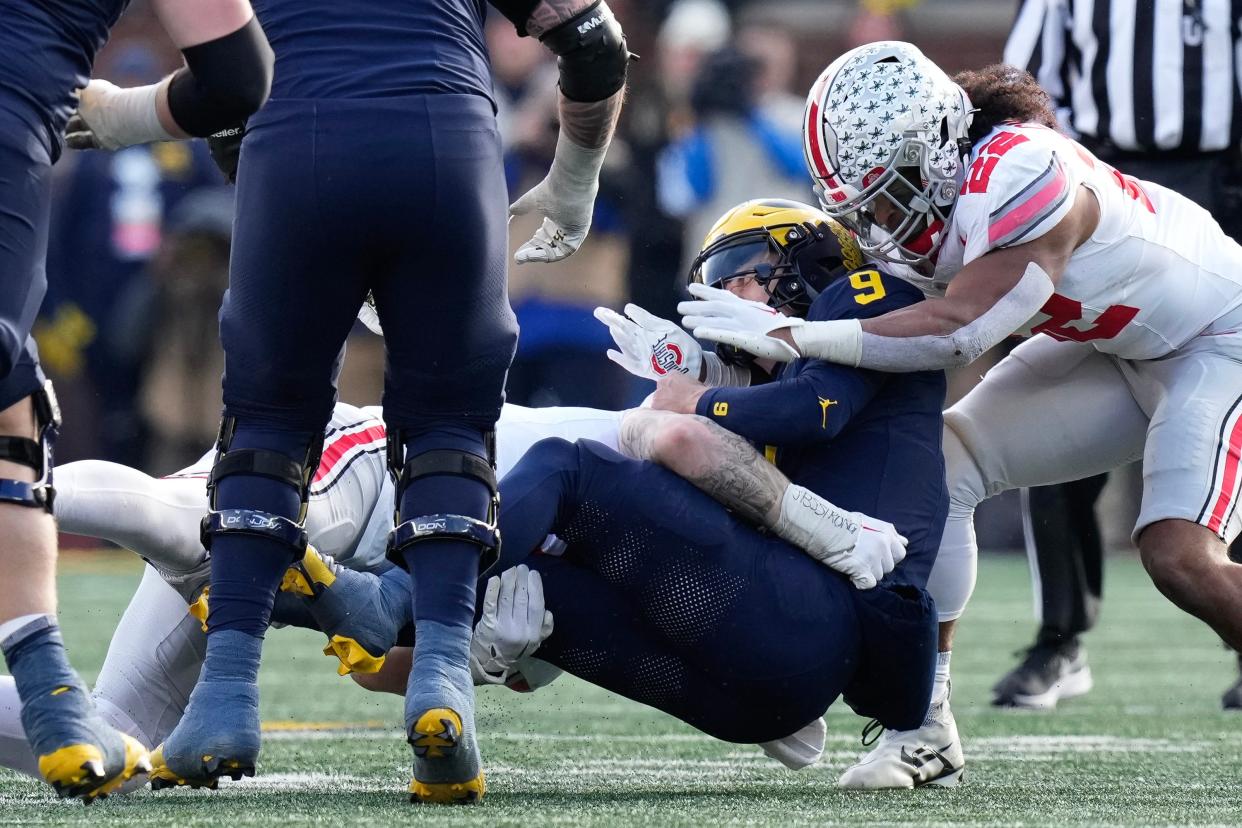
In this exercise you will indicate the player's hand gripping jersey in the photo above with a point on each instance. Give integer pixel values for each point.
(867, 441)
(1156, 272)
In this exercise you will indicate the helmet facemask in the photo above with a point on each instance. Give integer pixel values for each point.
(900, 214)
(809, 249)
(886, 138)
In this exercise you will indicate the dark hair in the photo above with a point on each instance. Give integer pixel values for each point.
(1004, 93)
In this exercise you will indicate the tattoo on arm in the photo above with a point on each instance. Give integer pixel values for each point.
(715, 460)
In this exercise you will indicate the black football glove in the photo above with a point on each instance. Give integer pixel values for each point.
(225, 147)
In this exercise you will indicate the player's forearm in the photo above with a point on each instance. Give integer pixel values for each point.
(933, 335)
(720, 463)
(592, 58)
(728, 468)
(777, 413)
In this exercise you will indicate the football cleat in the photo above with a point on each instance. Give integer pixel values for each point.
(1232, 699)
(78, 753)
(360, 612)
(436, 737)
(90, 770)
(929, 756)
(218, 735)
(801, 749)
(1048, 673)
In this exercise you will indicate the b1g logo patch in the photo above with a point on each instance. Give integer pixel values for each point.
(667, 356)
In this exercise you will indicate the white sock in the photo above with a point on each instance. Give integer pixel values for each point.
(940, 689)
(14, 749)
(15, 624)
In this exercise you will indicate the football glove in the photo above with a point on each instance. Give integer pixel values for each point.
(720, 316)
(650, 347)
(565, 199)
(513, 625)
(225, 149)
(862, 548)
(111, 118)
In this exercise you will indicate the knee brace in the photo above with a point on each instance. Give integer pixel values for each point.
(35, 454)
(260, 463)
(406, 533)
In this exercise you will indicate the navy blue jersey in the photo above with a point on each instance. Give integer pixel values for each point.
(376, 48)
(867, 441)
(48, 48)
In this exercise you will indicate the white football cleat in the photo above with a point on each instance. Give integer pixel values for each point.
(800, 749)
(930, 755)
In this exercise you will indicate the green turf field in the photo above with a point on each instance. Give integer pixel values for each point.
(1148, 746)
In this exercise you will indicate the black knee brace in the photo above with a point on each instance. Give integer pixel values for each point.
(485, 535)
(261, 463)
(36, 454)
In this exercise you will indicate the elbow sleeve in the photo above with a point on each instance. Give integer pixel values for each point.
(591, 54)
(224, 81)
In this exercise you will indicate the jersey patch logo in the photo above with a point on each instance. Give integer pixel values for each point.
(824, 404)
(720, 409)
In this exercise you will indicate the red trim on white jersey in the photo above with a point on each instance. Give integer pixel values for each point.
(343, 446)
(1225, 477)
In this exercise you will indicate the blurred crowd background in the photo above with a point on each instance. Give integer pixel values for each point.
(140, 238)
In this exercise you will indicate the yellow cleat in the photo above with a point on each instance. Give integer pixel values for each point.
(77, 771)
(353, 656)
(448, 793)
(436, 735)
(162, 776)
(309, 576)
(200, 608)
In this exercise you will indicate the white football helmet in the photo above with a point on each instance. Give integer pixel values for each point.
(885, 137)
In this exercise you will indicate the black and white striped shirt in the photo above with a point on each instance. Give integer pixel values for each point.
(1151, 76)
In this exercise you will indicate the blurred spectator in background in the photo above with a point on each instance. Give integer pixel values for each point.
(560, 350)
(777, 96)
(658, 110)
(1150, 90)
(173, 314)
(734, 150)
(108, 217)
(878, 20)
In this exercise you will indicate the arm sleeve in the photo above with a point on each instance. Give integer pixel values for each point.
(812, 406)
(224, 81)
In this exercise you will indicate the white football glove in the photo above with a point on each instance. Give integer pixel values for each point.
(878, 547)
(720, 316)
(369, 316)
(651, 347)
(859, 546)
(110, 117)
(565, 198)
(513, 625)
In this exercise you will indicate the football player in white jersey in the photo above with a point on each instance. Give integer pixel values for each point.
(1013, 228)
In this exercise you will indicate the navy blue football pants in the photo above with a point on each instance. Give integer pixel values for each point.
(403, 197)
(664, 597)
(25, 210)
(667, 598)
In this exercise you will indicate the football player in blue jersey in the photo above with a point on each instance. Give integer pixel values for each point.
(49, 49)
(667, 596)
(376, 167)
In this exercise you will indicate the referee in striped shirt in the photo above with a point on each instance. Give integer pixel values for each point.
(1152, 88)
